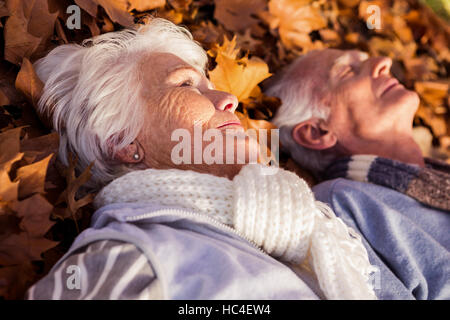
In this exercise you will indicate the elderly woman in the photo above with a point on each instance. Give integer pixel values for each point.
(181, 231)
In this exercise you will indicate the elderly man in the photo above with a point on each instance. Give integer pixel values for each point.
(347, 120)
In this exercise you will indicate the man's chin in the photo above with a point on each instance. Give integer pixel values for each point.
(402, 99)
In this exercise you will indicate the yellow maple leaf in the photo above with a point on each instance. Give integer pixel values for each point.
(239, 76)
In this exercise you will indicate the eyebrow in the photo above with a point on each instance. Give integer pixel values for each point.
(350, 56)
(179, 68)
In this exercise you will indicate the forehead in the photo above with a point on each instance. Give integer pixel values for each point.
(162, 63)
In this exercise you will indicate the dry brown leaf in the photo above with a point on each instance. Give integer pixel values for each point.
(15, 280)
(9, 191)
(421, 68)
(45, 145)
(35, 213)
(433, 93)
(73, 185)
(18, 42)
(3, 10)
(91, 23)
(10, 147)
(437, 124)
(295, 19)
(401, 29)
(237, 76)
(32, 178)
(31, 86)
(238, 15)
(207, 33)
(171, 15)
(21, 248)
(330, 36)
(349, 3)
(391, 48)
(247, 42)
(60, 32)
(180, 4)
(28, 82)
(117, 10)
(4, 100)
(28, 29)
(145, 5)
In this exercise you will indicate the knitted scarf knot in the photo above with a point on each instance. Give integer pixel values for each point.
(278, 212)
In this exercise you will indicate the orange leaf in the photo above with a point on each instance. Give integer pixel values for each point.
(32, 177)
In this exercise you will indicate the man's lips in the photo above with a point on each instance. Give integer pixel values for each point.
(230, 123)
(391, 83)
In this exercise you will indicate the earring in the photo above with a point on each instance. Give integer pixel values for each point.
(136, 156)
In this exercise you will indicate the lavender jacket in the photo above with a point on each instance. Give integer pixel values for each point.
(144, 251)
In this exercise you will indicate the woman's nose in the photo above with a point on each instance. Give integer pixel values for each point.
(379, 66)
(223, 101)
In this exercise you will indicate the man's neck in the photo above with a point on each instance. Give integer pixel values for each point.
(400, 148)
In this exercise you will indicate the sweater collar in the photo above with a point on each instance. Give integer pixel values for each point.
(429, 185)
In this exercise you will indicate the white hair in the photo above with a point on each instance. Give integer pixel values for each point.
(93, 91)
(301, 101)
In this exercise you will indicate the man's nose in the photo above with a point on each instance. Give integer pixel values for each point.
(223, 101)
(378, 66)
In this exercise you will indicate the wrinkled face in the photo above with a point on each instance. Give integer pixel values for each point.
(180, 97)
(365, 101)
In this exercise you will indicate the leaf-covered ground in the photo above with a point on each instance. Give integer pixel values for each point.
(247, 41)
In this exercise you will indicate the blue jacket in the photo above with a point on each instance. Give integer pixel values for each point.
(407, 241)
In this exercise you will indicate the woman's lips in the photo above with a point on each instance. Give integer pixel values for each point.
(230, 123)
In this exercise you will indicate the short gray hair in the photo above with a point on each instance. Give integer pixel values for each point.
(301, 101)
(93, 91)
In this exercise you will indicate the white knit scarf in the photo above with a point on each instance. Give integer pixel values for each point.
(278, 212)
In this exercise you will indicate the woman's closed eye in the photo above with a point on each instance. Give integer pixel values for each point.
(187, 83)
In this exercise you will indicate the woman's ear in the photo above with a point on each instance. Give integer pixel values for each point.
(311, 134)
(133, 153)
